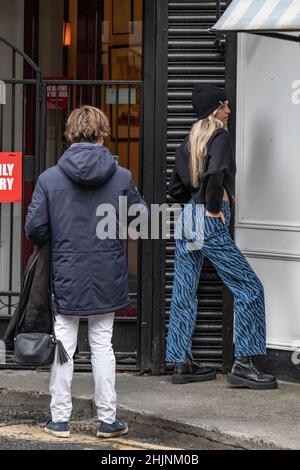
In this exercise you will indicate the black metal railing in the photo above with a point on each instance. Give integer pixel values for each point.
(12, 138)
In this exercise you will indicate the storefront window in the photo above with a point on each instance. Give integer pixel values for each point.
(106, 44)
(122, 59)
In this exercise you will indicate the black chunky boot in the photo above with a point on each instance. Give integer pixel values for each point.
(191, 371)
(245, 374)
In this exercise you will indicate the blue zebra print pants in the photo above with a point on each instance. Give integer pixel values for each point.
(235, 272)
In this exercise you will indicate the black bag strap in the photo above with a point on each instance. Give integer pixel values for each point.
(52, 296)
(23, 287)
(62, 355)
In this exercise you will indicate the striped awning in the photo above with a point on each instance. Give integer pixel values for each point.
(260, 15)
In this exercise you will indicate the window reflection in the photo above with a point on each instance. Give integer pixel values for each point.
(122, 59)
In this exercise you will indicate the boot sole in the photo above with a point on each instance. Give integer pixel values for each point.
(57, 433)
(105, 435)
(184, 379)
(241, 382)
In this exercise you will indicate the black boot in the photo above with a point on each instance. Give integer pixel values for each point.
(245, 374)
(191, 371)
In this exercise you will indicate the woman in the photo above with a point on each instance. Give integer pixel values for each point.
(205, 172)
(89, 272)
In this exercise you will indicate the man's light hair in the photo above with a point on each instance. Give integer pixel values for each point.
(87, 124)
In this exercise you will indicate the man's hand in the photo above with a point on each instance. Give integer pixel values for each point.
(218, 215)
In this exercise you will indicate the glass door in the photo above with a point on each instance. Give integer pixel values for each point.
(122, 60)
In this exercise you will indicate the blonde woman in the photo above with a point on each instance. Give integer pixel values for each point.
(204, 175)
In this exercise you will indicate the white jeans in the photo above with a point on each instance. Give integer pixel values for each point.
(100, 329)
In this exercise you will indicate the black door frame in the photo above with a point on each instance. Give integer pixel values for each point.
(151, 320)
(230, 84)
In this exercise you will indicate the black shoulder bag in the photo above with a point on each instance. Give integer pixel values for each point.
(35, 348)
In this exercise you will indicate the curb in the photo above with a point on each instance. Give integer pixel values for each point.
(33, 407)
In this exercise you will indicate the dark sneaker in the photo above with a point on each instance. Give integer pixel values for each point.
(191, 371)
(245, 374)
(112, 430)
(58, 429)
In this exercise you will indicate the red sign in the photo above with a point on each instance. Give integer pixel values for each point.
(10, 177)
(57, 95)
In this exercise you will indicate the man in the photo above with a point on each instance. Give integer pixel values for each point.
(89, 272)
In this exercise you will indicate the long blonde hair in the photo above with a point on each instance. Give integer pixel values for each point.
(200, 134)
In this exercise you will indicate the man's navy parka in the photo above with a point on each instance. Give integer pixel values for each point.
(89, 274)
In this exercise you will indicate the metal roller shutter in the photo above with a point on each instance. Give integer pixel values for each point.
(193, 57)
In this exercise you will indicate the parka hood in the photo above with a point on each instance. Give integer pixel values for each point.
(88, 164)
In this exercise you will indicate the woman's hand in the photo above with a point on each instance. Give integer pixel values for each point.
(218, 215)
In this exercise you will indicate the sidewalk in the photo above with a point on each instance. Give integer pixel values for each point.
(213, 410)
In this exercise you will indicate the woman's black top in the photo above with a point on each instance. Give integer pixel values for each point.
(219, 173)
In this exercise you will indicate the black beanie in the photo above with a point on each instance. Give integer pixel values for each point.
(206, 99)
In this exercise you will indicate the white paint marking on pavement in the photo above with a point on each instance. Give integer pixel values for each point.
(37, 433)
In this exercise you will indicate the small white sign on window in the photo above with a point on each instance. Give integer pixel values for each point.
(111, 96)
(2, 93)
